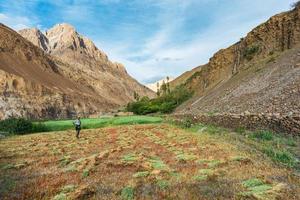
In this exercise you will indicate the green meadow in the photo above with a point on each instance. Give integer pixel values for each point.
(91, 123)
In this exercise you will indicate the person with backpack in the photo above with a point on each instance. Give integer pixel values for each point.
(77, 124)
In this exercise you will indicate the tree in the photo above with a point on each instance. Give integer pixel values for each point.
(164, 88)
(168, 85)
(158, 89)
(136, 96)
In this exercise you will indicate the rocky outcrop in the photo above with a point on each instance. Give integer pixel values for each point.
(37, 38)
(36, 84)
(259, 73)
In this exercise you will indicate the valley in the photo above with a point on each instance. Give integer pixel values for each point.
(227, 129)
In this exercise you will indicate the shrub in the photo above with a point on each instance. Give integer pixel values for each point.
(251, 51)
(255, 187)
(127, 193)
(186, 123)
(195, 75)
(16, 126)
(291, 142)
(263, 135)
(162, 184)
(283, 157)
(7, 185)
(85, 173)
(252, 182)
(240, 130)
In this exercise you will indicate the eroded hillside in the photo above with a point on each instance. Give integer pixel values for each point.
(38, 85)
(260, 73)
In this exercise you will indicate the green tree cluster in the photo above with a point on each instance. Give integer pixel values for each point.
(165, 103)
(15, 126)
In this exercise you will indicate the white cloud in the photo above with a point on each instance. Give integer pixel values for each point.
(16, 22)
(222, 32)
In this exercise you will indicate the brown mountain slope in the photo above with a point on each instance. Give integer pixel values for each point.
(32, 85)
(258, 74)
(35, 85)
(83, 62)
(183, 77)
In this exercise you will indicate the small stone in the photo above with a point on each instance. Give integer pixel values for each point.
(103, 154)
(156, 172)
(247, 112)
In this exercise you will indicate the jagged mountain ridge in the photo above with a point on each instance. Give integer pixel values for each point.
(83, 62)
(249, 75)
(37, 84)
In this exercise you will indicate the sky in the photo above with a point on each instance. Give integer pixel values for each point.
(152, 38)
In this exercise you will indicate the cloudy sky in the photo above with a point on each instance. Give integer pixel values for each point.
(152, 38)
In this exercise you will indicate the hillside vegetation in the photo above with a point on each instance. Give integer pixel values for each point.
(164, 103)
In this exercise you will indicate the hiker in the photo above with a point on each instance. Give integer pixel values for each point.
(77, 124)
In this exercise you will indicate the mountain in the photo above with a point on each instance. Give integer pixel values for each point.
(59, 74)
(153, 86)
(258, 74)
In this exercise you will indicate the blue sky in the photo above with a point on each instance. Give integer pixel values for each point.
(152, 38)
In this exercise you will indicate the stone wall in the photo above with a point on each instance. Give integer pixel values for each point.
(274, 122)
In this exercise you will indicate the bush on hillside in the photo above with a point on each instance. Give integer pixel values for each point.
(15, 126)
(163, 104)
(295, 4)
(196, 74)
(251, 51)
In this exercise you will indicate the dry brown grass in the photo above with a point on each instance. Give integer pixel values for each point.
(142, 161)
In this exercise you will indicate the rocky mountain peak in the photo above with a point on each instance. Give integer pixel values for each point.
(64, 41)
(63, 27)
(35, 36)
(64, 36)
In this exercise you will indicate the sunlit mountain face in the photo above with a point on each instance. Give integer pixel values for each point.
(152, 38)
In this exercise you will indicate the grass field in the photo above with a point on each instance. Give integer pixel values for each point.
(152, 161)
(61, 125)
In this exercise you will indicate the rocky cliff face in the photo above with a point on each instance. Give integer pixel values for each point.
(256, 63)
(43, 81)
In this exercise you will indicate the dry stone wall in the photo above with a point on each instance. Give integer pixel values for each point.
(274, 122)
